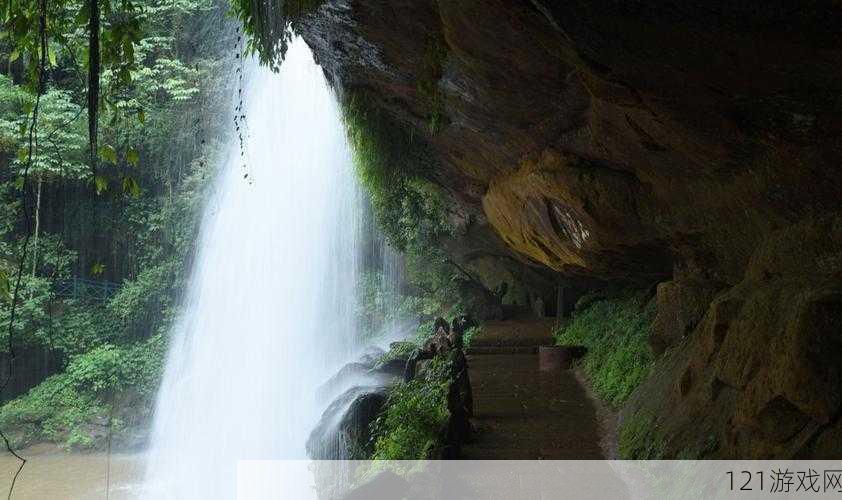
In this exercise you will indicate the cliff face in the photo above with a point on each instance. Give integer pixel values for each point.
(692, 144)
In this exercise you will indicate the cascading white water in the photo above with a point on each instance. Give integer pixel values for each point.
(270, 308)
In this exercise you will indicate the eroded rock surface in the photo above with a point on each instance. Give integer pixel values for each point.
(693, 144)
(759, 377)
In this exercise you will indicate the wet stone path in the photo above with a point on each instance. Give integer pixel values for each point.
(520, 412)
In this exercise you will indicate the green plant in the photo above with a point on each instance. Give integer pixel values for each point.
(469, 335)
(615, 333)
(416, 411)
(64, 407)
(267, 26)
(393, 166)
(133, 226)
(637, 439)
(398, 350)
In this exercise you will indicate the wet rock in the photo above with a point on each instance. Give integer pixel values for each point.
(347, 376)
(480, 303)
(343, 432)
(759, 376)
(460, 404)
(370, 356)
(394, 367)
(367, 370)
(441, 342)
(571, 143)
(680, 306)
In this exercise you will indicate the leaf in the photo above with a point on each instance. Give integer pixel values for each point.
(100, 184)
(131, 187)
(83, 15)
(97, 269)
(108, 153)
(141, 117)
(133, 157)
(14, 56)
(23, 154)
(51, 55)
(5, 286)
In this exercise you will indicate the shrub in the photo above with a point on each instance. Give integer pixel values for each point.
(615, 332)
(69, 407)
(398, 350)
(416, 411)
(469, 335)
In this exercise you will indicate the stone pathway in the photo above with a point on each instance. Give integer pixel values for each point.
(520, 412)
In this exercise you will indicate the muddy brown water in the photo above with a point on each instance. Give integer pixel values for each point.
(51, 473)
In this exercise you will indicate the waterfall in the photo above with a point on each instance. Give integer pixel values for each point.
(269, 313)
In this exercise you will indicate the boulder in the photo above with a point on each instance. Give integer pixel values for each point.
(351, 374)
(759, 376)
(370, 356)
(343, 432)
(680, 306)
(479, 302)
(392, 368)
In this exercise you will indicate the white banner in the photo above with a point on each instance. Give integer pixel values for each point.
(537, 479)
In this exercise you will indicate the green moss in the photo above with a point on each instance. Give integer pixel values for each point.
(428, 83)
(416, 411)
(398, 350)
(701, 450)
(638, 440)
(615, 332)
(396, 169)
(393, 167)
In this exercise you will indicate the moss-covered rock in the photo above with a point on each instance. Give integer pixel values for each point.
(759, 376)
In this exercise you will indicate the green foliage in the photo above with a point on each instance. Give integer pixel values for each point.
(61, 129)
(428, 83)
(392, 166)
(65, 407)
(376, 303)
(416, 411)
(469, 335)
(267, 26)
(615, 332)
(397, 350)
(134, 224)
(637, 441)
